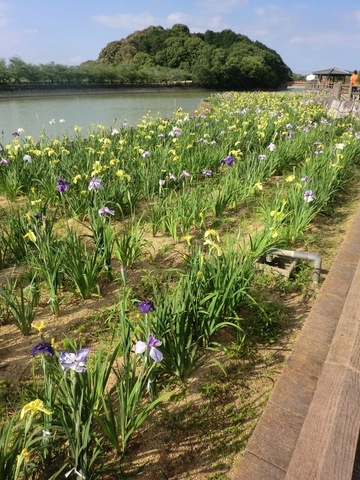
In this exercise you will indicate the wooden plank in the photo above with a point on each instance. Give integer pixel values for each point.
(327, 442)
(275, 448)
(338, 280)
(255, 468)
(294, 390)
(345, 349)
(315, 351)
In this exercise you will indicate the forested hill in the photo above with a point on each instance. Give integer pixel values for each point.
(221, 60)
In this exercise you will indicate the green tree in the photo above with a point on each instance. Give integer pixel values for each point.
(4, 72)
(18, 69)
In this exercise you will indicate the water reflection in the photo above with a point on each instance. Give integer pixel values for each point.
(34, 114)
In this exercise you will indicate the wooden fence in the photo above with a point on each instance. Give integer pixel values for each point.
(341, 91)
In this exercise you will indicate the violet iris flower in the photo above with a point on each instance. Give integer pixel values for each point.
(308, 196)
(4, 161)
(62, 185)
(207, 172)
(229, 160)
(185, 174)
(152, 343)
(43, 347)
(305, 179)
(146, 305)
(106, 210)
(95, 183)
(74, 361)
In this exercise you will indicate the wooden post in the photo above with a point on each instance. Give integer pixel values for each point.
(337, 90)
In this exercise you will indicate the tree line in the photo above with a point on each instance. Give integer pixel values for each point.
(17, 73)
(218, 60)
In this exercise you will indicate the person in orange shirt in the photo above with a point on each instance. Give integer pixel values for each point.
(354, 79)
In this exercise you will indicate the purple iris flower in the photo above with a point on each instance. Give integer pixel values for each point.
(305, 179)
(43, 347)
(74, 361)
(308, 196)
(152, 343)
(106, 210)
(185, 174)
(261, 157)
(4, 161)
(62, 185)
(146, 305)
(207, 172)
(229, 160)
(95, 183)
(15, 134)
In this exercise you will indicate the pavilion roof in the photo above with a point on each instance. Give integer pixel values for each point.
(332, 71)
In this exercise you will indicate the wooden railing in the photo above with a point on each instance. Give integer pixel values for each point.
(343, 91)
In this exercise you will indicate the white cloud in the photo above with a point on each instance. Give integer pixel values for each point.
(221, 5)
(259, 11)
(128, 21)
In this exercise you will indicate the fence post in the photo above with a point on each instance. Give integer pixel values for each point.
(337, 91)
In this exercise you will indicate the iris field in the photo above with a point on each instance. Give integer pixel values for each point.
(272, 162)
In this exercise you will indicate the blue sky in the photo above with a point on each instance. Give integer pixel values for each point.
(308, 35)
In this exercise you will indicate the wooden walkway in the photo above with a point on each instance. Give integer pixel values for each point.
(310, 427)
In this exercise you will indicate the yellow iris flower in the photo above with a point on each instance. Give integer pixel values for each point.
(34, 407)
(31, 236)
(39, 327)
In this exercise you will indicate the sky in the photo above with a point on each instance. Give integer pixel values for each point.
(308, 34)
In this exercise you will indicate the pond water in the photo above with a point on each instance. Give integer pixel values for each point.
(34, 114)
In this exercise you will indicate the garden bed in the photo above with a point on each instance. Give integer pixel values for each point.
(155, 230)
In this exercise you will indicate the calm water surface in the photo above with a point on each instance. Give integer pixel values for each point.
(33, 114)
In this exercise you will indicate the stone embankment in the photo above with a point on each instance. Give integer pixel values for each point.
(336, 107)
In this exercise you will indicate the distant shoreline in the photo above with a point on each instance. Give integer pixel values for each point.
(67, 92)
(95, 91)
